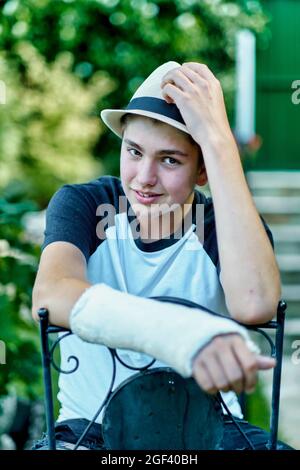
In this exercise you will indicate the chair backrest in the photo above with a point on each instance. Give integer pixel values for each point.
(149, 414)
(157, 409)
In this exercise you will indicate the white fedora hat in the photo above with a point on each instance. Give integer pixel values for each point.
(148, 101)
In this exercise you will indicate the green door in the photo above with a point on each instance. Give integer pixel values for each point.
(278, 66)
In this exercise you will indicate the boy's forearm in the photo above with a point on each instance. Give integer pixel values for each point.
(58, 297)
(173, 334)
(249, 272)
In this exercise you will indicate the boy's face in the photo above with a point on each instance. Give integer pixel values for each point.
(159, 165)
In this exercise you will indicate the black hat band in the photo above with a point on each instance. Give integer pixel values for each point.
(158, 106)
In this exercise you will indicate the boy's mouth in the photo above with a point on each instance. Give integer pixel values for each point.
(146, 197)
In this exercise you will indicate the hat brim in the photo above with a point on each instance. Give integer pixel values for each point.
(112, 119)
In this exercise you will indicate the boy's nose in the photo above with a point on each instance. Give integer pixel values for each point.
(146, 174)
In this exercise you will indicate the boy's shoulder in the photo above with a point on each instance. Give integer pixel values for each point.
(103, 190)
(74, 211)
(108, 185)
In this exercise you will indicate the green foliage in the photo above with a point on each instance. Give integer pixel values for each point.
(66, 60)
(46, 132)
(18, 263)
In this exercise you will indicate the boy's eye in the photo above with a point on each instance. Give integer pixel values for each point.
(134, 152)
(172, 161)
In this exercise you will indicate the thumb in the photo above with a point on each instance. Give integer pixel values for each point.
(265, 362)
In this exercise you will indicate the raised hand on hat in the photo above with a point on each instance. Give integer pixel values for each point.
(249, 273)
(198, 95)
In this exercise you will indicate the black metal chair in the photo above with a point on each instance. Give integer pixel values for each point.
(170, 396)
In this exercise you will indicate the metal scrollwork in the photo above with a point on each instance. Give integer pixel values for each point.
(267, 337)
(51, 352)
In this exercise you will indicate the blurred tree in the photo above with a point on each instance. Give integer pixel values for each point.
(70, 58)
(47, 131)
(21, 377)
(18, 262)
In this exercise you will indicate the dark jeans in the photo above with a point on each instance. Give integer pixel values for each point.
(68, 432)
(233, 439)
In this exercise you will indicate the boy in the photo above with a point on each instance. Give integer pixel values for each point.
(110, 244)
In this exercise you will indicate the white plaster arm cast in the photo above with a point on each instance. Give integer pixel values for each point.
(171, 333)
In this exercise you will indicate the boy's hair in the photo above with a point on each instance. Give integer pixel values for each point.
(130, 117)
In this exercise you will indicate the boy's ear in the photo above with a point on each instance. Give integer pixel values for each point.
(202, 176)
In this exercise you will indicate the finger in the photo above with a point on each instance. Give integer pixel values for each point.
(203, 378)
(265, 362)
(201, 69)
(193, 76)
(216, 372)
(171, 93)
(247, 361)
(176, 77)
(232, 369)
